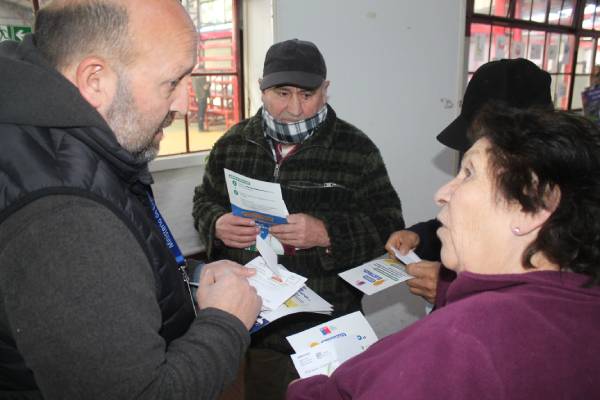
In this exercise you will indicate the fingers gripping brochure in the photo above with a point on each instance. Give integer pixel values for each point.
(257, 200)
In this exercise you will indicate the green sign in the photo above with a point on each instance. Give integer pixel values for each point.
(10, 32)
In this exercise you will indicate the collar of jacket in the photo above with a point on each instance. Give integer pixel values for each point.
(324, 136)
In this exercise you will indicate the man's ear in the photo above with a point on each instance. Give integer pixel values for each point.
(96, 81)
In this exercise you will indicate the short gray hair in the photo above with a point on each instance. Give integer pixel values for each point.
(98, 27)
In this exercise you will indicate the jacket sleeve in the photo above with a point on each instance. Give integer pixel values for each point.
(82, 308)
(429, 244)
(427, 363)
(359, 236)
(210, 201)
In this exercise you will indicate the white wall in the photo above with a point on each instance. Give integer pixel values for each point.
(258, 35)
(392, 64)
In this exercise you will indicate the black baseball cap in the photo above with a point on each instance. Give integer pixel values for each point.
(294, 62)
(516, 82)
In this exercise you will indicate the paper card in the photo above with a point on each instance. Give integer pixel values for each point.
(408, 258)
(326, 357)
(268, 254)
(304, 300)
(376, 275)
(258, 200)
(352, 325)
(319, 360)
(273, 289)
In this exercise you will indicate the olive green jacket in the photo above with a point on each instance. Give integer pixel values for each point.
(337, 176)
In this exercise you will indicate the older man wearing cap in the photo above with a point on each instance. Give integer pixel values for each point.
(516, 83)
(335, 185)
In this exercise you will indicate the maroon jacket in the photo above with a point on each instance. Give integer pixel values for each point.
(526, 336)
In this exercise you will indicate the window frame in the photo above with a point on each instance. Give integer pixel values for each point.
(510, 21)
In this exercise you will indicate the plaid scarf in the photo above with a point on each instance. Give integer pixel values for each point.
(292, 132)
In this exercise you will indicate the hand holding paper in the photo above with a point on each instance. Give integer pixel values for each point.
(302, 231)
(224, 285)
(403, 240)
(236, 232)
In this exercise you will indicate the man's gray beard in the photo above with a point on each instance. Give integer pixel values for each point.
(132, 133)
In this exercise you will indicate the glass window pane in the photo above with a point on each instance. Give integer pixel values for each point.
(518, 43)
(560, 93)
(216, 38)
(565, 53)
(584, 55)
(535, 47)
(597, 18)
(581, 82)
(500, 43)
(523, 9)
(566, 15)
(597, 56)
(552, 46)
(214, 92)
(540, 7)
(500, 8)
(174, 140)
(221, 110)
(481, 7)
(588, 14)
(555, 11)
(479, 45)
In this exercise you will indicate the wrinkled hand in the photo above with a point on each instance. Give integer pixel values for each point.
(224, 285)
(404, 241)
(426, 276)
(236, 231)
(302, 231)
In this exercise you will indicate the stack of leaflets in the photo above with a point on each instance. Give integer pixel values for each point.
(321, 349)
(283, 292)
(381, 273)
(304, 300)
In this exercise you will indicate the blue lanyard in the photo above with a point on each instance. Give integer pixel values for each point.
(172, 245)
(167, 235)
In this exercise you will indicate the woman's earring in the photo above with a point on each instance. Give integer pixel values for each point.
(516, 231)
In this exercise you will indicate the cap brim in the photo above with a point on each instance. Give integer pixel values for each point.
(292, 78)
(455, 135)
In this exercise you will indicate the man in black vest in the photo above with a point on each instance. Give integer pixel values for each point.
(93, 297)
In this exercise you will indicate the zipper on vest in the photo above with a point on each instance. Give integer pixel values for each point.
(276, 171)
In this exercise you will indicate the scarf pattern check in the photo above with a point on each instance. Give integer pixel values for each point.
(292, 132)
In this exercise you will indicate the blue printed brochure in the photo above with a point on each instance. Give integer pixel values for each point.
(258, 200)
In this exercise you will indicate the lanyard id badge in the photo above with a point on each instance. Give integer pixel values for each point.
(172, 245)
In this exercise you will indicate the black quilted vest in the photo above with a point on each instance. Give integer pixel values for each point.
(38, 162)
